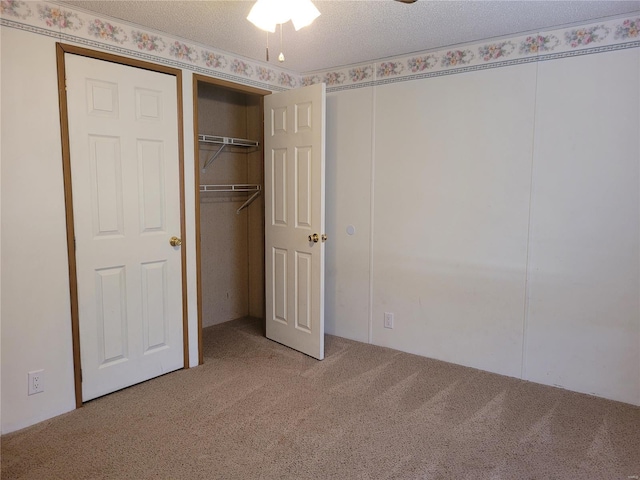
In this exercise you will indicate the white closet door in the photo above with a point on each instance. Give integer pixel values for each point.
(126, 203)
(294, 199)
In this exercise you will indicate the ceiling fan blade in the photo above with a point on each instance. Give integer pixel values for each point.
(407, 1)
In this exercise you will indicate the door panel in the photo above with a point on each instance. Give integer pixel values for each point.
(303, 291)
(123, 135)
(279, 283)
(111, 315)
(151, 186)
(303, 187)
(154, 305)
(278, 187)
(294, 194)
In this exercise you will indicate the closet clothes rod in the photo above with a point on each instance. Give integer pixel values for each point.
(240, 188)
(224, 141)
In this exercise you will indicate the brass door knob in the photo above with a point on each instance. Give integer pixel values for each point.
(175, 242)
(315, 238)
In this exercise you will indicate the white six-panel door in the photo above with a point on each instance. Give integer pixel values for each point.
(123, 133)
(294, 201)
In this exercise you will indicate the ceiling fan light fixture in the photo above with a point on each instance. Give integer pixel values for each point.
(303, 13)
(263, 16)
(266, 14)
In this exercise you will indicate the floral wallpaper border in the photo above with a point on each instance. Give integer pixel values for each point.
(100, 32)
(600, 37)
(84, 28)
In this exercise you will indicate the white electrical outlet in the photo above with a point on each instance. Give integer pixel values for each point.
(388, 320)
(36, 382)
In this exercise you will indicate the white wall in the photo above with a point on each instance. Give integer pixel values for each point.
(36, 327)
(453, 162)
(348, 201)
(505, 219)
(583, 322)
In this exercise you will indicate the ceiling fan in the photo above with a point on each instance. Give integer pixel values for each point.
(406, 1)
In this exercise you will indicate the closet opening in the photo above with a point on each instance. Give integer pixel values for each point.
(229, 178)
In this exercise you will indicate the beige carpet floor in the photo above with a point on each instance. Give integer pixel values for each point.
(258, 410)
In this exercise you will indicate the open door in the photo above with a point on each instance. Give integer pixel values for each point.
(294, 218)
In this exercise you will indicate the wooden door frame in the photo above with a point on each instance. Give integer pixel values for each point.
(61, 49)
(236, 87)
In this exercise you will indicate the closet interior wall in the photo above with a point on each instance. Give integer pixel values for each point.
(232, 245)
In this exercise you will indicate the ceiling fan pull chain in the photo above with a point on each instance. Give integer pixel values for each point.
(281, 56)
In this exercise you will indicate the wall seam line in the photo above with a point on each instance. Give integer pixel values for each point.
(371, 209)
(638, 398)
(525, 313)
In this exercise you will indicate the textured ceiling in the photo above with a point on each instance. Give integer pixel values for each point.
(349, 32)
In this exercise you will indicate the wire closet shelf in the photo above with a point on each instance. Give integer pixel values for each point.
(235, 188)
(224, 142)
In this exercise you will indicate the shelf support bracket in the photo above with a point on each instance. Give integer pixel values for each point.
(249, 201)
(214, 156)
